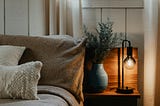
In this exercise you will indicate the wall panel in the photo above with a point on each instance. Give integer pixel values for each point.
(117, 16)
(90, 18)
(16, 17)
(1, 16)
(135, 28)
(37, 17)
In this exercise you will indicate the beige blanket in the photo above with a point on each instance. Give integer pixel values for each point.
(49, 96)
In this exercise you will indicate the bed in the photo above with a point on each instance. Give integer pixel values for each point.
(61, 76)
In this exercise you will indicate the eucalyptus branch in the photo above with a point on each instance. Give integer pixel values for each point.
(100, 43)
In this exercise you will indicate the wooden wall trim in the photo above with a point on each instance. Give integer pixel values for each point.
(140, 7)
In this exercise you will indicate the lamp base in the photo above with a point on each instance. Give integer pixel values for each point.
(126, 90)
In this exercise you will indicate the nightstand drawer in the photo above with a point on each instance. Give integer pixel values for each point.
(111, 98)
(111, 101)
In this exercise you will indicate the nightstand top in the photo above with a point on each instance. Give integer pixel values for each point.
(113, 93)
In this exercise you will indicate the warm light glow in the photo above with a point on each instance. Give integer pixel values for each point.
(129, 62)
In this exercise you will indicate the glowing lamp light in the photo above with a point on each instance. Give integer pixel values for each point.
(129, 61)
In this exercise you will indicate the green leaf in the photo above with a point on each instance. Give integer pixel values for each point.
(100, 43)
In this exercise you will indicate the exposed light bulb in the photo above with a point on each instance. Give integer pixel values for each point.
(129, 62)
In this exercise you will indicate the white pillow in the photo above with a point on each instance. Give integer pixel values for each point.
(10, 55)
(20, 81)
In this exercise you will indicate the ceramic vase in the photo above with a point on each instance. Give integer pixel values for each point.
(97, 78)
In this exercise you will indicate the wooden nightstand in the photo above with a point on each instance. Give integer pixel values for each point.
(111, 98)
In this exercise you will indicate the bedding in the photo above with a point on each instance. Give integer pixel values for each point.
(49, 96)
(10, 55)
(63, 59)
(20, 81)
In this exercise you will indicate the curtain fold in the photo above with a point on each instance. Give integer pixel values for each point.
(157, 88)
(65, 17)
(152, 53)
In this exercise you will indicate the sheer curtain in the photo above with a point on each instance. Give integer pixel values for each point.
(152, 53)
(64, 17)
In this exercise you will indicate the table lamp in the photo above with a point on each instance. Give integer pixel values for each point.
(127, 63)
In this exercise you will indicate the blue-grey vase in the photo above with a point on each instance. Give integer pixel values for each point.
(97, 78)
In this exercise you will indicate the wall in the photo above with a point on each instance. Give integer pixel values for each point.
(22, 17)
(1, 17)
(117, 10)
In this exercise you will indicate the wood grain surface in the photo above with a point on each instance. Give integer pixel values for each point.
(111, 67)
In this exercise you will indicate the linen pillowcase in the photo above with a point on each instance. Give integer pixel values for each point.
(10, 55)
(20, 82)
